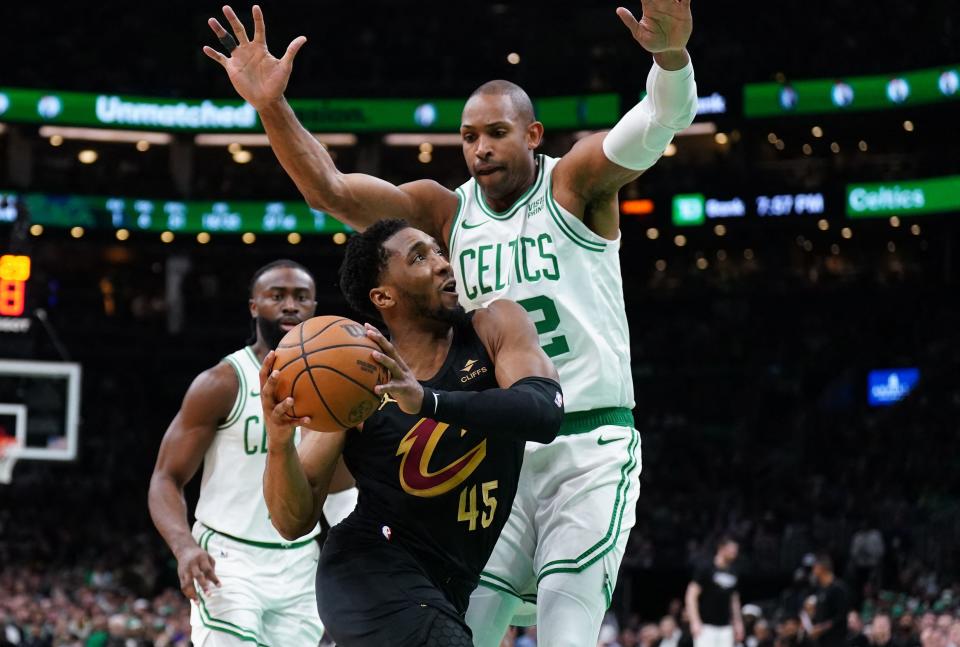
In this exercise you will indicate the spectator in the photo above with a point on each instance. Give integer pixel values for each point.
(855, 635)
(671, 635)
(761, 635)
(881, 632)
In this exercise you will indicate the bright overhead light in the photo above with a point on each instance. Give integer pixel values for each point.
(670, 150)
(106, 135)
(415, 139)
(252, 140)
(87, 156)
(242, 157)
(513, 58)
(699, 128)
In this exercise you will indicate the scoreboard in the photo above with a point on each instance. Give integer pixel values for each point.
(14, 274)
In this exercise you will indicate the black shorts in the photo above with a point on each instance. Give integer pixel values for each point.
(371, 592)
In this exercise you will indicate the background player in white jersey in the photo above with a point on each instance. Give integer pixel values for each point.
(254, 586)
(544, 233)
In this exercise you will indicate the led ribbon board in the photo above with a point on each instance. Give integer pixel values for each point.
(111, 212)
(907, 198)
(317, 115)
(851, 94)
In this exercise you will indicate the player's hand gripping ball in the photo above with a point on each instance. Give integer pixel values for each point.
(326, 366)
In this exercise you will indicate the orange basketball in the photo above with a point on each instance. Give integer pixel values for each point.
(325, 365)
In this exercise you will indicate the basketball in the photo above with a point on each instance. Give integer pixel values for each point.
(325, 365)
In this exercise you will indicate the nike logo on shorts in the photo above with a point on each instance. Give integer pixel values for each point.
(606, 441)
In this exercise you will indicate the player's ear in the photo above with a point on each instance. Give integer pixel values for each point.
(534, 135)
(253, 307)
(382, 298)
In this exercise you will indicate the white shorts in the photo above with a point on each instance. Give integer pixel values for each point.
(575, 505)
(267, 596)
(714, 636)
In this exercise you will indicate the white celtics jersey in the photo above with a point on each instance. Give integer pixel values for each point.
(231, 490)
(565, 276)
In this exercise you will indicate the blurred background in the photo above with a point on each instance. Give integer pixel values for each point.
(789, 269)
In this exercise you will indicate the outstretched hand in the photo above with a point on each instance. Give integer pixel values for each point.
(257, 76)
(665, 25)
(403, 385)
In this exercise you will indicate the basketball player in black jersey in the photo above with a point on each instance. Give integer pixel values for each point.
(436, 465)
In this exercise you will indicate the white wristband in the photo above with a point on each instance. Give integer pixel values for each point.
(638, 140)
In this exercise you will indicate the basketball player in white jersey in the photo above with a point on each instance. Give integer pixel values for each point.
(246, 583)
(543, 232)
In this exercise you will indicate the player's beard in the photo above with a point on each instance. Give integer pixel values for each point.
(270, 331)
(422, 308)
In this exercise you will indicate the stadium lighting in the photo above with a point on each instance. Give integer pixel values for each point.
(415, 139)
(252, 140)
(105, 135)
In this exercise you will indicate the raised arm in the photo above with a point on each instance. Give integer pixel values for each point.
(355, 199)
(206, 404)
(587, 179)
(296, 480)
(527, 406)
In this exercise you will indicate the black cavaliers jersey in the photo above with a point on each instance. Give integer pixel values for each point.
(441, 492)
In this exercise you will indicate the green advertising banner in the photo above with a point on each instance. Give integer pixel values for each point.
(880, 92)
(907, 198)
(110, 212)
(318, 115)
(688, 210)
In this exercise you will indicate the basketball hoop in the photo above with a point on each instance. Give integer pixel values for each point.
(8, 458)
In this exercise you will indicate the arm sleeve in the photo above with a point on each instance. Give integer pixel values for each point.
(638, 140)
(531, 409)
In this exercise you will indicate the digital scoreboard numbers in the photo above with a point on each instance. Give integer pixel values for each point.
(217, 217)
(790, 204)
(14, 274)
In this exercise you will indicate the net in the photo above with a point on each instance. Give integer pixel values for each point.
(8, 458)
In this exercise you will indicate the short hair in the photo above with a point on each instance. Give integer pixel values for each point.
(364, 262)
(283, 262)
(726, 539)
(825, 561)
(518, 97)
